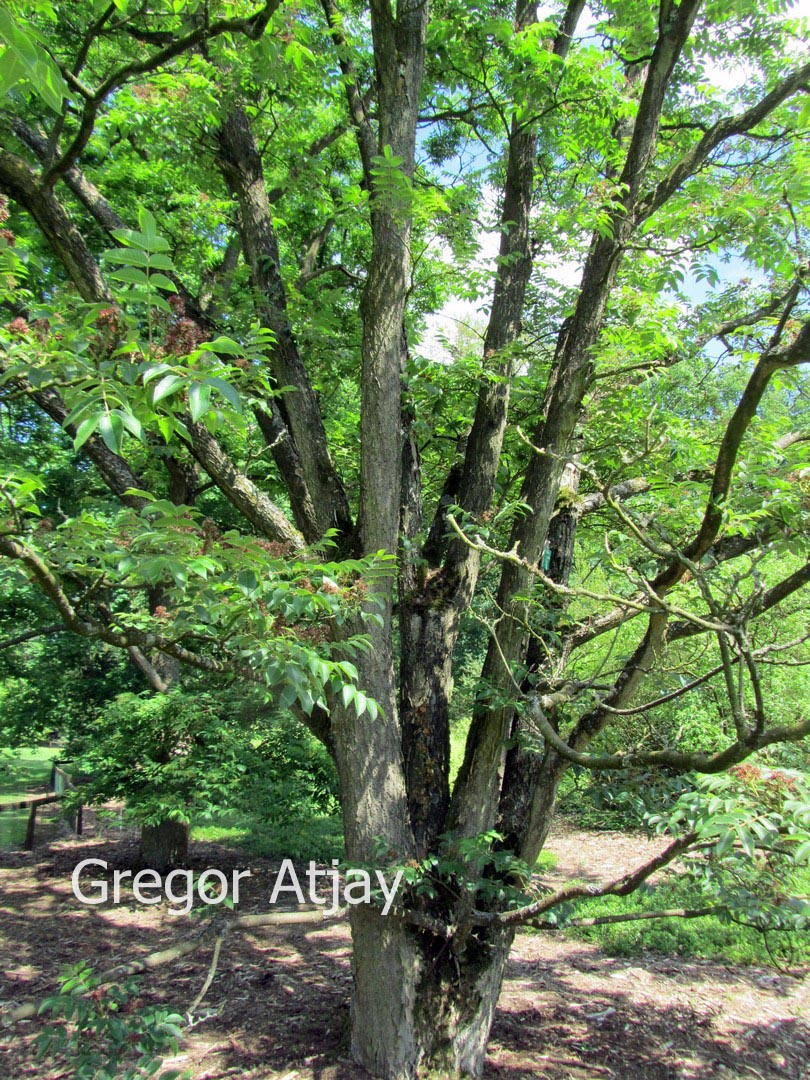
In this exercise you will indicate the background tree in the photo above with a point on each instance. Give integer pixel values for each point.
(341, 156)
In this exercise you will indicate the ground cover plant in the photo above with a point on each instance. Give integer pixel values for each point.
(228, 232)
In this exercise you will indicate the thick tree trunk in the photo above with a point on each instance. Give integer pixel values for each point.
(418, 1008)
(164, 846)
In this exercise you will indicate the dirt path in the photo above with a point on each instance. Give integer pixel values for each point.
(279, 1004)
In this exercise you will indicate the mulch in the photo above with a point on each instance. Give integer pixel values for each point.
(278, 1007)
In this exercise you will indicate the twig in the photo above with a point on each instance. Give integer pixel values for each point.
(209, 977)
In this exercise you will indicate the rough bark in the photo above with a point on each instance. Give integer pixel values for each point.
(21, 183)
(420, 1009)
(525, 766)
(480, 778)
(431, 614)
(101, 211)
(319, 501)
(239, 489)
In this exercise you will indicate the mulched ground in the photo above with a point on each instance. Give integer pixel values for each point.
(278, 1007)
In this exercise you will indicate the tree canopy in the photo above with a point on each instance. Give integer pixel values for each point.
(237, 241)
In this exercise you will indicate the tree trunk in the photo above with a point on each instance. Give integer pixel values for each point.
(418, 1008)
(164, 846)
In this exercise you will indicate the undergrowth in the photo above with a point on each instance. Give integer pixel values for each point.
(706, 938)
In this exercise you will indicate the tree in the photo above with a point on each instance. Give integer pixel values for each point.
(656, 405)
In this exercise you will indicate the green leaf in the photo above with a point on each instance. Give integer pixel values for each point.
(84, 431)
(131, 238)
(199, 396)
(131, 423)
(229, 392)
(128, 257)
(111, 429)
(152, 371)
(131, 274)
(24, 60)
(159, 261)
(225, 345)
(153, 240)
(288, 695)
(160, 281)
(167, 385)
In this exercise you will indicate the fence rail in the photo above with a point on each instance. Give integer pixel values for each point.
(60, 783)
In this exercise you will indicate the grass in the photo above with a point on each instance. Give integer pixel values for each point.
(708, 938)
(304, 839)
(27, 769)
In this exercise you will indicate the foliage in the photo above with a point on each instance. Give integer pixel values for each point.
(757, 823)
(750, 864)
(589, 516)
(310, 837)
(166, 755)
(104, 1033)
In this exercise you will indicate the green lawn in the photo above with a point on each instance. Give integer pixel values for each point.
(23, 772)
(318, 838)
(706, 938)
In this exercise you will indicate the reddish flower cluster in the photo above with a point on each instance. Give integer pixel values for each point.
(183, 335)
(17, 326)
(6, 234)
(274, 549)
(110, 322)
(771, 785)
(210, 533)
(109, 318)
(42, 329)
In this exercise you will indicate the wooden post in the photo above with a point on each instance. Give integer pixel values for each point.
(32, 821)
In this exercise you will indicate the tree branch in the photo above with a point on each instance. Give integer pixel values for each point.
(162, 957)
(252, 27)
(718, 134)
(622, 886)
(28, 635)
(675, 760)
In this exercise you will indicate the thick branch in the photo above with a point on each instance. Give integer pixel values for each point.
(632, 916)
(436, 631)
(20, 182)
(674, 760)
(29, 635)
(101, 210)
(356, 101)
(718, 134)
(318, 498)
(257, 507)
(622, 886)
